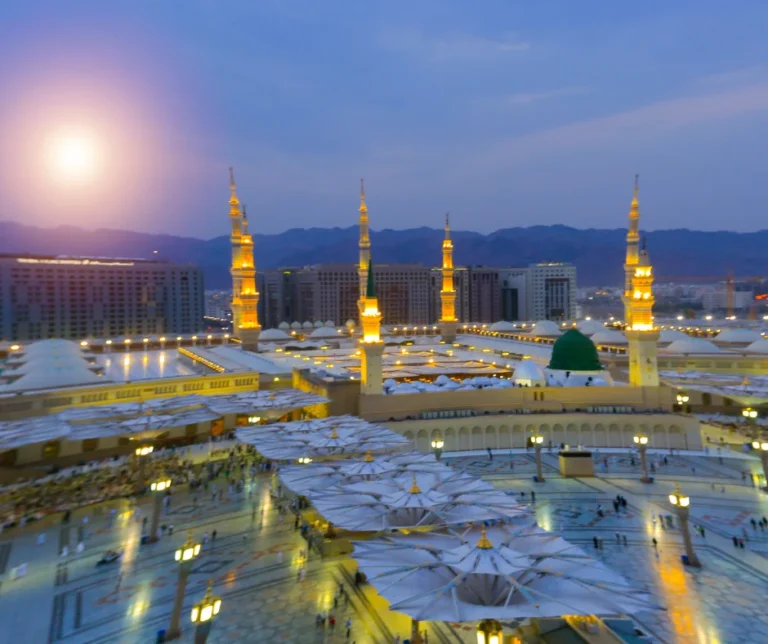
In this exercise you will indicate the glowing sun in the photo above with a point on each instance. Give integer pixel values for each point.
(74, 157)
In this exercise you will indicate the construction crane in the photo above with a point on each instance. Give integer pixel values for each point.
(730, 285)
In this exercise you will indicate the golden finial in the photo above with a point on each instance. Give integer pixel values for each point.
(334, 434)
(363, 207)
(483, 542)
(447, 225)
(745, 382)
(636, 191)
(368, 458)
(415, 489)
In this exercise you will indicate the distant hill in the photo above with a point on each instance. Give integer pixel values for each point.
(598, 254)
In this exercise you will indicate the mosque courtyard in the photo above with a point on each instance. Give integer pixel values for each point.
(256, 560)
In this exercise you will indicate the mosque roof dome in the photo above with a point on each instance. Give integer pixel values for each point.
(296, 326)
(574, 351)
(609, 336)
(737, 336)
(670, 335)
(284, 326)
(589, 327)
(274, 334)
(324, 332)
(529, 370)
(758, 346)
(691, 346)
(503, 327)
(307, 325)
(545, 328)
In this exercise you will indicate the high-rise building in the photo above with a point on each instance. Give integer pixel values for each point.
(551, 291)
(513, 283)
(44, 296)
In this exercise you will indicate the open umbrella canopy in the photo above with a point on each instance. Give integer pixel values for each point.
(17, 433)
(506, 572)
(414, 500)
(100, 412)
(267, 403)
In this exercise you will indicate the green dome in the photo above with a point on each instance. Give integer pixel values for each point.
(574, 351)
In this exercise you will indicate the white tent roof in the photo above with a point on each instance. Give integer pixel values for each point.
(545, 329)
(758, 346)
(324, 332)
(529, 370)
(272, 335)
(503, 327)
(691, 346)
(590, 327)
(670, 335)
(609, 336)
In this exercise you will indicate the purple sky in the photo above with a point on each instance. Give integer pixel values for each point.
(516, 114)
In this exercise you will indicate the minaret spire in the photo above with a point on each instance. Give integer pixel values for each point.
(632, 253)
(371, 344)
(448, 322)
(364, 245)
(642, 334)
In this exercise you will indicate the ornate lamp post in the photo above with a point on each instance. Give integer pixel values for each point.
(751, 417)
(489, 631)
(141, 453)
(538, 442)
(203, 613)
(185, 555)
(642, 446)
(682, 400)
(158, 489)
(681, 503)
(762, 448)
(437, 447)
(305, 460)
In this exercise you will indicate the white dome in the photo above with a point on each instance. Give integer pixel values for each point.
(737, 336)
(503, 327)
(529, 372)
(324, 332)
(318, 324)
(296, 326)
(758, 346)
(545, 329)
(691, 346)
(329, 323)
(590, 327)
(609, 336)
(273, 335)
(284, 326)
(307, 325)
(670, 335)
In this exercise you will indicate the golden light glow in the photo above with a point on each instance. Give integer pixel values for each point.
(74, 156)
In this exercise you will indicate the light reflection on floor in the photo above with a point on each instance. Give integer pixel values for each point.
(143, 365)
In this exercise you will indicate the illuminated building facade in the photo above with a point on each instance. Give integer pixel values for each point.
(45, 296)
(642, 335)
(371, 344)
(245, 295)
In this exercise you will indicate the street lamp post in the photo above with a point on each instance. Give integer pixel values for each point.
(158, 489)
(141, 453)
(489, 631)
(762, 447)
(682, 400)
(203, 613)
(538, 442)
(751, 417)
(437, 447)
(681, 504)
(185, 555)
(642, 446)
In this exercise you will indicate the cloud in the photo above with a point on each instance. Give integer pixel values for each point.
(451, 49)
(535, 97)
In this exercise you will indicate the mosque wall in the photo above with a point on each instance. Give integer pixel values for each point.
(383, 408)
(590, 430)
(729, 363)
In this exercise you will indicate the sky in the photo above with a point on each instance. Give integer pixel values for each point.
(505, 113)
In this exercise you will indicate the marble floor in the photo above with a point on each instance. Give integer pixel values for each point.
(255, 561)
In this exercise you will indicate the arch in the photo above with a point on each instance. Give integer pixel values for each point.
(464, 438)
(478, 439)
(450, 440)
(600, 435)
(706, 399)
(518, 436)
(408, 435)
(628, 435)
(676, 438)
(491, 438)
(614, 435)
(505, 438)
(586, 435)
(422, 441)
(658, 437)
(571, 435)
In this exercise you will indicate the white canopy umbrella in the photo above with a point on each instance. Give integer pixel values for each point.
(266, 402)
(17, 433)
(99, 412)
(506, 573)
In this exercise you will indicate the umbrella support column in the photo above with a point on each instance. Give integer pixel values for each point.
(415, 635)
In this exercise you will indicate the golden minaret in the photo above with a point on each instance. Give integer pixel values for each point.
(372, 347)
(448, 322)
(365, 247)
(642, 334)
(245, 296)
(632, 257)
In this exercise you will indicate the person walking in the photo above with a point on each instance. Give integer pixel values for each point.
(349, 627)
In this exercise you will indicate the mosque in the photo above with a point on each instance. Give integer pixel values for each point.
(471, 386)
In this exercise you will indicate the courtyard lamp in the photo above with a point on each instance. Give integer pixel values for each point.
(538, 442)
(489, 631)
(184, 555)
(682, 399)
(681, 504)
(762, 447)
(305, 460)
(141, 453)
(642, 446)
(158, 489)
(203, 613)
(437, 447)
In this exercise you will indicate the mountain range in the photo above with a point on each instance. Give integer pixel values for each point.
(598, 254)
